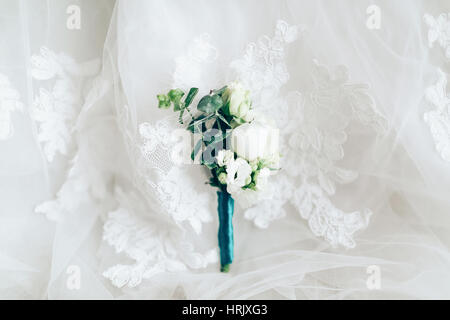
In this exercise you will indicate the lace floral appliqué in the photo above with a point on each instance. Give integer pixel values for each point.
(195, 66)
(151, 246)
(313, 144)
(325, 220)
(438, 119)
(316, 132)
(56, 109)
(174, 187)
(83, 184)
(312, 136)
(439, 31)
(263, 69)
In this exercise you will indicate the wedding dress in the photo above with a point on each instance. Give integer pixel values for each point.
(93, 205)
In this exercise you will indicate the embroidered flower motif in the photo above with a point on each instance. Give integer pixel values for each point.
(327, 221)
(189, 67)
(181, 200)
(170, 182)
(56, 110)
(154, 136)
(83, 185)
(313, 133)
(438, 119)
(316, 134)
(151, 246)
(439, 31)
(263, 69)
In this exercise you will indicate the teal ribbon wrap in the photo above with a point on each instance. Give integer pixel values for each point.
(226, 242)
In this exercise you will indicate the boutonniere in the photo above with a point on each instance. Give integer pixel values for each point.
(238, 145)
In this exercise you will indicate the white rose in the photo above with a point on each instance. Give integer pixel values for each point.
(238, 98)
(224, 156)
(255, 140)
(238, 175)
(249, 116)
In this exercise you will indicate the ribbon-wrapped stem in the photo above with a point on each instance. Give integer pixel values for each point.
(226, 242)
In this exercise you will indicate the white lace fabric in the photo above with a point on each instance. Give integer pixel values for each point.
(439, 31)
(313, 135)
(56, 110)
(438, 118)
(153, 249)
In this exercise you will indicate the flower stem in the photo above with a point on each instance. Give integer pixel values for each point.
(225, 210)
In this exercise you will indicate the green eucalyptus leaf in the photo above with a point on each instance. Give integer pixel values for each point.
(220, 91)
(191, 95)
(178, 106)
(163, 101)
(175, 95)
(210, 104)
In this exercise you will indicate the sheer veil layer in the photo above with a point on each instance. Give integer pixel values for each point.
(93, 203)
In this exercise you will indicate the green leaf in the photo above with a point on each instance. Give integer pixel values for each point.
(200, 117)
(180, 118)
(250, 186)
(191, 127)
(219, 126)
(191, 95)
(220, 91)
(214, 182)
(163, 101)
(195, 123)
(178, 106)
(197, 147)
(210, 104)
(226, 109)
(210, 166)
(221, 117)
(175, 95)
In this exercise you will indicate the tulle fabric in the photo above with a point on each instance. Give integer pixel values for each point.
(401, 178)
